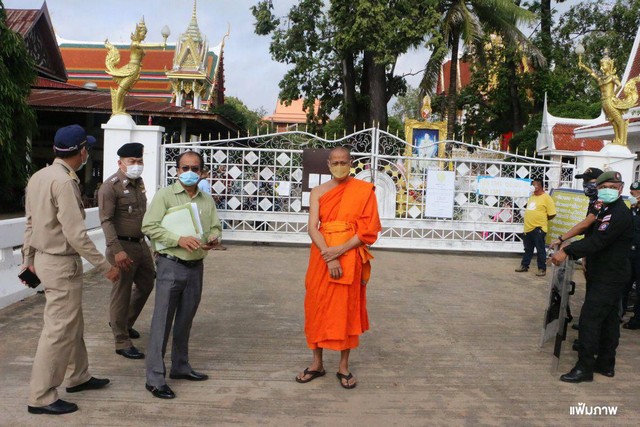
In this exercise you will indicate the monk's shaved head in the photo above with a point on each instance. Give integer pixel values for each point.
(341, 150)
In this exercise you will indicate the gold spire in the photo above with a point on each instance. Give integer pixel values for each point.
(193, 31)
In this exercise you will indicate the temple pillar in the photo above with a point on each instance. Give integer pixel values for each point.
(611, 157)
(120, 130)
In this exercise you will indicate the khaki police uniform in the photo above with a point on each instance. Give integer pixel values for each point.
(55, 239)
(122, 204)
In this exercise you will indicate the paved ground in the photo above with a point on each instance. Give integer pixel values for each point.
(454, 341)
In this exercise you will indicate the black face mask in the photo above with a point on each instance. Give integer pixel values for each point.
(590, 190)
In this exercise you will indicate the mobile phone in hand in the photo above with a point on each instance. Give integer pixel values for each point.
(30, 278)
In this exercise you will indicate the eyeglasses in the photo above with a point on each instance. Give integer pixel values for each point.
(187, 168)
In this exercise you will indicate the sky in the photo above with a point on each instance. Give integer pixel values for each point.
(250, 73)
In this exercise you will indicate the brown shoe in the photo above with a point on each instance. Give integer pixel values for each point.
(522, 269)
(541, 272)
(219, 248)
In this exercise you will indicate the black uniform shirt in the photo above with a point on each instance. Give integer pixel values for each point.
(607, 246)
(636, 228)
(593, 208)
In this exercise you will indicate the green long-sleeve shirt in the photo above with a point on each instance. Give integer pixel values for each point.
(176, 195)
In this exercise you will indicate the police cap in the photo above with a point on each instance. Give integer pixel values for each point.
(590, 173)
(609, 176)
(131, 149)
(72, 138)
(635, 185)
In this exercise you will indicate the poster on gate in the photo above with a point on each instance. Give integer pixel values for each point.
(440, 193)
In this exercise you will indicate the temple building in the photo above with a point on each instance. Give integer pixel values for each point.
(563, 138)
(289, 117)
(73, 87)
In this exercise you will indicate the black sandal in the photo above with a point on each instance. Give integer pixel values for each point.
(346, 377)
(314, 375)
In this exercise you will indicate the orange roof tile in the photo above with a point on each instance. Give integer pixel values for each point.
(290, 114)
(565, 140)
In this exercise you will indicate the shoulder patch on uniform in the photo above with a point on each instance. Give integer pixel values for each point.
(606, 218)
(603, 226)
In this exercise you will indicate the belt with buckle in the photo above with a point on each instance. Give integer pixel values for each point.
(189, 264)
(131, 239)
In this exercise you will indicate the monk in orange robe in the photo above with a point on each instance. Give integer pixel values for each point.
(343, 219)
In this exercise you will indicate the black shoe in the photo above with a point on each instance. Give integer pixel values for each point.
(162, 392)
(58, 407)
(130, 353)
(575, 326)
(191, 376)
(632, 324)
(133, 334)
(93, 384)
(608, 372)
(577, 375)
(576, 345)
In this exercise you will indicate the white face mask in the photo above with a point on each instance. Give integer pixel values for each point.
(84, 162)
(134, 171)
(532, 189)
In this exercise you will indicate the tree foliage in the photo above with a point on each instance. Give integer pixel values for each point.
(343, 53)
(468, 21)
(17, 119)
(407, 106)
(248, 120)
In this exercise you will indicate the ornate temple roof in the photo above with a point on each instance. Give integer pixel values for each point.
(34, 25)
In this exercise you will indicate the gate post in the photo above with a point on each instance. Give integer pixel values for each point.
(120, 130)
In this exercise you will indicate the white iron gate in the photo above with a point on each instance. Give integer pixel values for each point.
(257, 185)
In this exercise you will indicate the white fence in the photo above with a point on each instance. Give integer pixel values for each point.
(12, 232)
(257, 185)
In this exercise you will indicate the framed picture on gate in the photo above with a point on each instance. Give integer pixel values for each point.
(423, 142)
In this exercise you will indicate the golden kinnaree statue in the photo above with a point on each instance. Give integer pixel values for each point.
(613, 106)
(126, 76)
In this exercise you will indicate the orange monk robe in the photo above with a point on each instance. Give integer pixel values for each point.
(336, 310)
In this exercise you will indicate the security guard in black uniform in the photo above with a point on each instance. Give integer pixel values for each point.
(634, 322)
(607, 252)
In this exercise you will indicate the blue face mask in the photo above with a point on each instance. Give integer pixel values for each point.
(189, 178)
(608, 195)
(590, 190)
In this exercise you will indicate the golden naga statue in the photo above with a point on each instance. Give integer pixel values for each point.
(613, 106)
(126, 76)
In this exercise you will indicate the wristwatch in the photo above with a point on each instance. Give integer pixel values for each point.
(561, 239)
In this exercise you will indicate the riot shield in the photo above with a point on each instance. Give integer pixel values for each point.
(554, 325)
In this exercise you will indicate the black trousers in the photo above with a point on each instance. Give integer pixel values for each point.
(599, 326)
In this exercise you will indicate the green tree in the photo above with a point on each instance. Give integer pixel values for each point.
(467, 21)
(17, 119)
(248, 120)
(408, 106)
(344, 53)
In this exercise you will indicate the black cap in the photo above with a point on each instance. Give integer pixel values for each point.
(609, 176)
(635, 185)
(590, 173)
(72, 138)
(131, 149)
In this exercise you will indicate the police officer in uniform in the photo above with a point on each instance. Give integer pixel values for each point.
(634, 322)
(55, 238)
(607, 252)
(122, 205)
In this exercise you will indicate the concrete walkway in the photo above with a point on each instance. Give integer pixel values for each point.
(453, 341)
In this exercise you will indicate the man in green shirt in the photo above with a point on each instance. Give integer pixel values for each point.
(179, 274)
